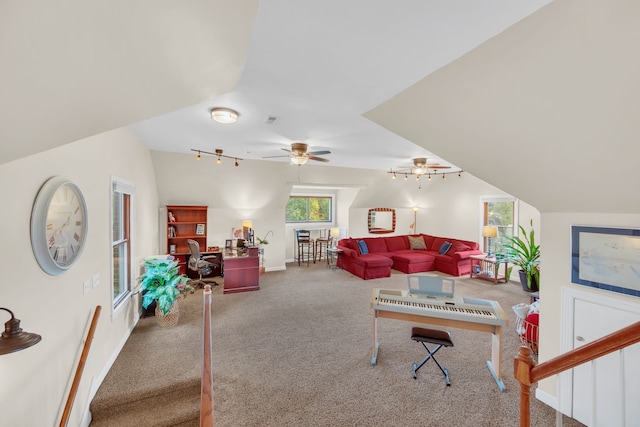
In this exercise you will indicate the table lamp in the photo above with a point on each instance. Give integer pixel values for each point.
(335, 234)
(489, 232)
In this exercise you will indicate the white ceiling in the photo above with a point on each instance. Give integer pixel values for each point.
(319, 66)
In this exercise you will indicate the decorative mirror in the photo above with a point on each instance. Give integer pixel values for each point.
(382, 220)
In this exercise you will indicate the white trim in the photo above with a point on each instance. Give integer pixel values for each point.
(568, 296)
(125, 187)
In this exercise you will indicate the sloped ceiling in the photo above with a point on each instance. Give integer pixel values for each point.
(547, 110)
(72, 69)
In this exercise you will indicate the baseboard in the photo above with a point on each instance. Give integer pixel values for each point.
(546, 398)
(279, 268)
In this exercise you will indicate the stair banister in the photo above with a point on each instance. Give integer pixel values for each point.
(527, 372)
(206, 383)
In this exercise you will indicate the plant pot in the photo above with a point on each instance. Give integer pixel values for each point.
(170, 319)
(523, 281)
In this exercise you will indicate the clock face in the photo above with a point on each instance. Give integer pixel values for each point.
(58, 225)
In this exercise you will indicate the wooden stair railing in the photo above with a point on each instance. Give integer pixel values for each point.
(64, 420)
(527, 372)
(206, 383)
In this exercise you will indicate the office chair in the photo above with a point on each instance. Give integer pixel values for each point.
(199, 263)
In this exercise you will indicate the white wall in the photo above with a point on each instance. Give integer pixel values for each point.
(555, 273)
(35, 381)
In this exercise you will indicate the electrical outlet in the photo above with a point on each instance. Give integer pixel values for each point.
(86, 286)
(96, 280)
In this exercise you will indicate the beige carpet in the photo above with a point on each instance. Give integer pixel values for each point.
(297, 353)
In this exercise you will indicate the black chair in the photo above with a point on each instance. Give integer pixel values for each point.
(433, 336)
(306, 247)
(199, 263)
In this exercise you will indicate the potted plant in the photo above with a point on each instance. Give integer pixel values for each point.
(162, 283)
(261, 243)
(525, 254)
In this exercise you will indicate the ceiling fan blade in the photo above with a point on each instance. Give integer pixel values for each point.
(319, 159)
(273, 157)
(287, 150)
(438, 167)
(319, 153)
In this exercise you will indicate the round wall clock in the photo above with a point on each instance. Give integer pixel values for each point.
(58, 225)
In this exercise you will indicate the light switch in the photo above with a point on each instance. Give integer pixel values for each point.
(96, 280)
(86, 286)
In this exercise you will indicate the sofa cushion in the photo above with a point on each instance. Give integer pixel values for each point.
(417, 242)
(458, 247)
(436, 244)
(444, 248)
(376, 244)
(373, 260)
(396, 243)
(352, 244)
(362, 245)
(428, 240)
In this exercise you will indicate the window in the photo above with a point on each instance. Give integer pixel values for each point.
(309, 209)
(499, 212)
(121, 239)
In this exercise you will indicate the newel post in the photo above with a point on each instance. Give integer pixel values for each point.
(522, 365)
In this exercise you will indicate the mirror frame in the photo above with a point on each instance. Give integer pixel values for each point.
(381, 230)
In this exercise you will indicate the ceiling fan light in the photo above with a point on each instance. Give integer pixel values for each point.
(299, 160)
(224, 115)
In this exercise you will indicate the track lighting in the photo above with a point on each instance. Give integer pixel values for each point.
(421, 167)
(218, 154)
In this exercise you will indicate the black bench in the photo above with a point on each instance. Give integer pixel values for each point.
(432, 336)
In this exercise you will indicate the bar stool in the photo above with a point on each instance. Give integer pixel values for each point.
(433, 336)
(306, 246)
(322, 243)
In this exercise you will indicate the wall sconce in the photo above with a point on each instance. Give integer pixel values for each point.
(489, 232)
(14, 338)
(226, 116)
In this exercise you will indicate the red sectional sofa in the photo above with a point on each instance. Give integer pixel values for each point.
(374, 257)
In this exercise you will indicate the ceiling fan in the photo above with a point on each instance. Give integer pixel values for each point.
(420, 167)
(299, 154)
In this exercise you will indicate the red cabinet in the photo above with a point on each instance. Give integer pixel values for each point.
(241, 271)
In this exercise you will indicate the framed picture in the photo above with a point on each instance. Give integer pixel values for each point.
(237, 233)
(228, 244)
(200, 229)
(606, 258)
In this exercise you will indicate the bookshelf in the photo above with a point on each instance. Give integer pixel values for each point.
(183, 223)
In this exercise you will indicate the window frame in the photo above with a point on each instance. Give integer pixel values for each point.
(484, 200)
(307, 196)
(127, 190)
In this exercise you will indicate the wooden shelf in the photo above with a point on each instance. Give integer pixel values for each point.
(184, 224)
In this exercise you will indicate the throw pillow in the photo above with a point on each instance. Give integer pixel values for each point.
(459, 247)
(416, 242)
(363, 247)
(444, 248)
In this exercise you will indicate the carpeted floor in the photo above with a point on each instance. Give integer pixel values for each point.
(297, 353)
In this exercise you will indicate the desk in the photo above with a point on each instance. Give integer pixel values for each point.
(241, 271)
(488, 268)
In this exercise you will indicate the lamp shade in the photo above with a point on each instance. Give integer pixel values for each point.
(14, 338)
(489, 231)
(247, 223)
(335, 233)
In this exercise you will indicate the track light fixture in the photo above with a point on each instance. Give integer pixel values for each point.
(218, 154)
(421, 167)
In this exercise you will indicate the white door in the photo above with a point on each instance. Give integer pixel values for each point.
(606, 392)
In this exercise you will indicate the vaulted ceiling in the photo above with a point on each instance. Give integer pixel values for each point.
(538, 98)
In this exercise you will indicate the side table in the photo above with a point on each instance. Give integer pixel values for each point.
(332, 257)
(488, 268)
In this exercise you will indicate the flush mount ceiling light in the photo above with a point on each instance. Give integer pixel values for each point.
(218, 154)
(223, 115)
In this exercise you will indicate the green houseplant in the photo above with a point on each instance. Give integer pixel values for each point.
(162, 282)
(525, 254)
